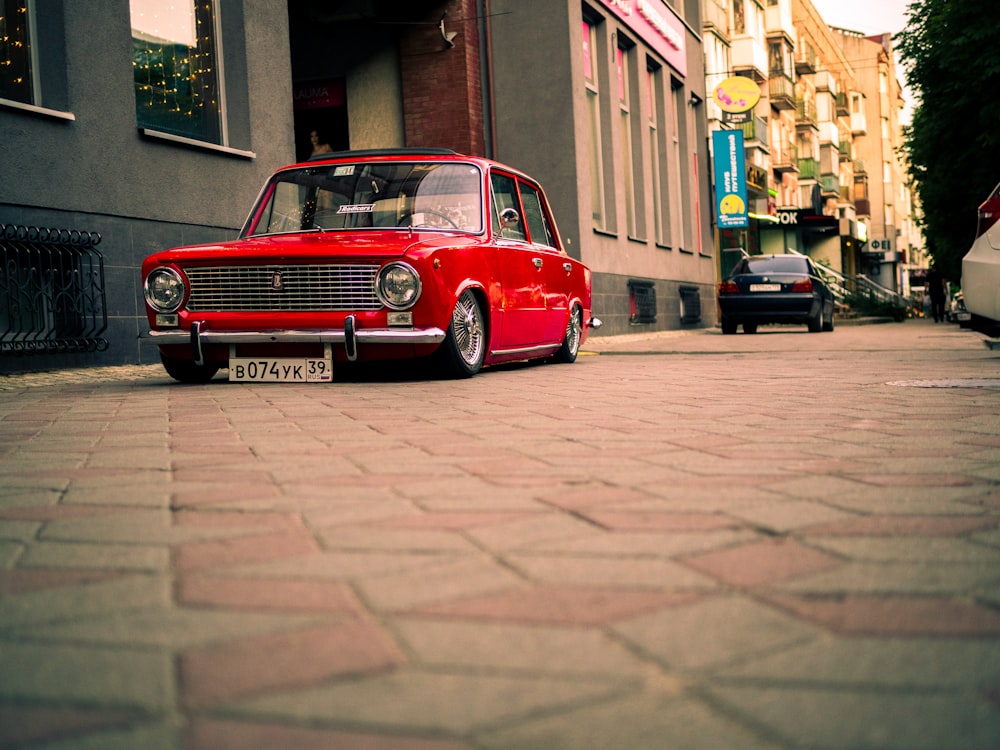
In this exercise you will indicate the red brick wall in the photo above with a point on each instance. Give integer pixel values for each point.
(442, 86)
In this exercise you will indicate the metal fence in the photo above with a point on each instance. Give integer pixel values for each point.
(52, 296)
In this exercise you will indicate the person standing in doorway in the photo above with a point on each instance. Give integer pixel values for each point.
(319, 145)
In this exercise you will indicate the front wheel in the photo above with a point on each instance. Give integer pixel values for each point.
(464, 348)
(186, 371)
(571, 341)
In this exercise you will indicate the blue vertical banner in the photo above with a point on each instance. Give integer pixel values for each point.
(730, 179)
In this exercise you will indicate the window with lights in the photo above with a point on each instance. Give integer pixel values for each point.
(15, 52)
(175, 67)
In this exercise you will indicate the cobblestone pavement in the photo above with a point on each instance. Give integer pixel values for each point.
(684, 540)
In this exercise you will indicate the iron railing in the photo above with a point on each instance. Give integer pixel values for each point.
(52, 296)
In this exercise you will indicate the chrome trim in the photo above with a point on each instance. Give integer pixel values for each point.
(363, 336)
(525, 349)
(594, 323)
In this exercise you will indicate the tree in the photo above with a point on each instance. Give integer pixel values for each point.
(951, 51)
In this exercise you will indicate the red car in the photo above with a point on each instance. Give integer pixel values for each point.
(373, 255)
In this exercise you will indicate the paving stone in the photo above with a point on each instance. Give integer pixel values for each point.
(208, 734)
(894, 615)
(21, 726)
(557, 605)
(761, 563)
(453, 703)
(268, 595)
(846, 720)
(880, 663)
(218, 674)
(120, 557)
(110, 677)
(244, 549)
(895, 525)
(70, 601)
(632, 723)
(516, 648)
(580, 570)
(713, 631)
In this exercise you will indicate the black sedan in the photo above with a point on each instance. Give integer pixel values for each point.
(775, 289)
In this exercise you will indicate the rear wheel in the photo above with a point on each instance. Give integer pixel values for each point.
(728, 327)
(749, 328)
(186, 371)
(464, 348)
(816, 321)
(828, 324)
(571, 342)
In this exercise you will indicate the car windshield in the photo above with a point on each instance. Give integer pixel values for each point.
(372, 195)
(784, 264)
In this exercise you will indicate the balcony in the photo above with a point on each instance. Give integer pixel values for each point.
(859, 168)
(715, 17)
(805, 114)
(829, 184)
(862, 207)
(843, 110)
(858, 124)
(755, 132)
(748, 57)
(808, 169)
(786, 161)
(844, 149)
(781, 91)
(805, 60)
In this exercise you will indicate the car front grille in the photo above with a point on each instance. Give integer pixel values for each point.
(305, 288)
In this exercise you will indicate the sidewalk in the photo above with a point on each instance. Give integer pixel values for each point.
(683, 540)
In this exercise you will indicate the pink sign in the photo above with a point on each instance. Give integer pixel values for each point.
(656, 25)
(320, 94)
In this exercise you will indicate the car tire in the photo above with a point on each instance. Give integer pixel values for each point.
(728, 327)
(186, 371)
(815, 323)
(464, 348)
(828, 324)
(571, 341)
(750, 328)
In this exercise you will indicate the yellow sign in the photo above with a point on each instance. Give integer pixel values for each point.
(736, 94)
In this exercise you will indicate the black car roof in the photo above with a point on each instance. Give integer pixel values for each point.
(362, 153)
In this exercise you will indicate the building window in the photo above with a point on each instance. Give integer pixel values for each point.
(623, 59)
(594, 123)
(16, 69)
(657, 153)
(676, 164)
(176, 66)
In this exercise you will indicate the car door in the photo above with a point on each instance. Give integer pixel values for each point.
(556, 267)
(521, 269)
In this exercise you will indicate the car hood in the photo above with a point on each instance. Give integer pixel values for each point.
(318, 245)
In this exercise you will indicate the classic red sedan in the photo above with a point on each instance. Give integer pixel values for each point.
(373, 255)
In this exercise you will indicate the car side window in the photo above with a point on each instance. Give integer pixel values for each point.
(506, 208)
(534, 215)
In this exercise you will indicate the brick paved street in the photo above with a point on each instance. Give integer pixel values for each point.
(684, 540)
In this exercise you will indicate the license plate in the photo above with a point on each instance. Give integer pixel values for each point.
(765, 287)
(281, 369)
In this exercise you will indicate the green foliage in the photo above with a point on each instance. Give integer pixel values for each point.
(951, 51)
(868, 305)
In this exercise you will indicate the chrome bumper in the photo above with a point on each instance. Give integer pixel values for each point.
(350, 337)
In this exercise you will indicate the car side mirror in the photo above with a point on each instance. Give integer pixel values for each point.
(509, 217)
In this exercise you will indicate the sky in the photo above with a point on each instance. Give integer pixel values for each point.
(870, 17)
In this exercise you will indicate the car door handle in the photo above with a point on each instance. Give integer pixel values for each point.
(568, 267)
(538, 262)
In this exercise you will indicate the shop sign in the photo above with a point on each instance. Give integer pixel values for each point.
(730, 179)
(320, 94)
(736, 94)
(657, 25)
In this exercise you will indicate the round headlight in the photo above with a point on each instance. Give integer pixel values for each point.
(398, 286)
(164, 290)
